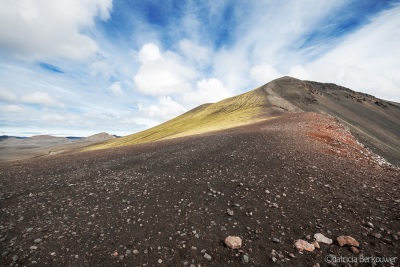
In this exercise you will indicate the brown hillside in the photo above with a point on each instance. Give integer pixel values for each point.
(166, 203)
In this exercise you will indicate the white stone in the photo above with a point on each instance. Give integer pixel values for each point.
(320, 238)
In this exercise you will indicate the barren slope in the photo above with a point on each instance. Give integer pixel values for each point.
(375, 122)
(165, 203)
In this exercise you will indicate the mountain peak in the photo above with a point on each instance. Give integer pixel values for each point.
(283, 78)
(103, 136)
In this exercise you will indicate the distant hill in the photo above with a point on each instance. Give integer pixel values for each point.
(44, 136)
(99, 137)
(4, 137)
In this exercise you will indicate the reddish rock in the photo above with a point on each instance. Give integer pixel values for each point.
(233, 242)
(302, 245)
(316, 244)
(347, 240)
(354, 250)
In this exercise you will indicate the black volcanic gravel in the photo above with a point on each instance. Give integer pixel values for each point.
(165, 203)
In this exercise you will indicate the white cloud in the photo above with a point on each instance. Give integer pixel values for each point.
(40, 98)
(53, 117)
(207, 91)
(264, 40)
(116, 88)
(232, 68)
(164, 109)
(11, 109)
(101, 68)
(298, 71)
(7, 96)
(149, 53)
(195, 52)
(50, 29)
(365, 61)
(271, 32)
(141, 121)
(162, 74)
(264, 73)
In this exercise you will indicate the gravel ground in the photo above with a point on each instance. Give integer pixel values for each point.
(172, 203)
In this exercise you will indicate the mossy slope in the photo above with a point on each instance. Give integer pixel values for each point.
(235, 111)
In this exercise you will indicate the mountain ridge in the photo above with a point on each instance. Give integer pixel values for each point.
(227, 113)
(374, 121)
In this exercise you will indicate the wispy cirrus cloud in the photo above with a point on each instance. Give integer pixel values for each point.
(40, 98)
(364, 60)
(116, 88)
(7, 96)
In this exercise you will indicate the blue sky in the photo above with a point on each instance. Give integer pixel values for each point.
(80, 67)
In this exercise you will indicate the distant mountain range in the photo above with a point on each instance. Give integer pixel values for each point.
(14, 147)
(4, 137)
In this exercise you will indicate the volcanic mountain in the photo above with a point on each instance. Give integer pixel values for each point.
(375, 122)
(293, 168)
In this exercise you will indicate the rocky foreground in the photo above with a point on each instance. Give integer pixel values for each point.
(297, 190)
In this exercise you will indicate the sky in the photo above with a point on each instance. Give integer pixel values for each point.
(79, 67)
